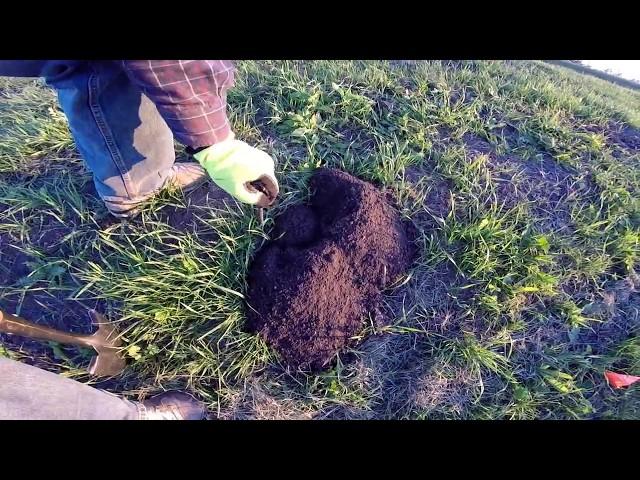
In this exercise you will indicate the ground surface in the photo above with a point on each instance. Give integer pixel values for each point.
(521, 179)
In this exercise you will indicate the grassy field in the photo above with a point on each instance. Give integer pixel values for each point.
(522, 179)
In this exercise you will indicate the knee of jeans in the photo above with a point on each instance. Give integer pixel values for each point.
(57, 71)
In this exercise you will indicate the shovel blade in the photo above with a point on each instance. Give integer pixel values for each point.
(109, 360)
(107, 364)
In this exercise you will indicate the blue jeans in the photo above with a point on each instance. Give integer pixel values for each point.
(124, 141)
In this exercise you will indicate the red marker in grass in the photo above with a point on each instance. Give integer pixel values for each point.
(620, 380)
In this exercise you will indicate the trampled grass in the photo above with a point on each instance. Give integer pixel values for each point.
(521, 178)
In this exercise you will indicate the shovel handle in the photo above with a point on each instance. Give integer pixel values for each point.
(19, 326)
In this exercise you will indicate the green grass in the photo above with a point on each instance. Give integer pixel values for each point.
(515, 175)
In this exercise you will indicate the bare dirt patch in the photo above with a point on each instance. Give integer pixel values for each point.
(185, 218)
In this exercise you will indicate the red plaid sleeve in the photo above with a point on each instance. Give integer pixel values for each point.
(191, 96)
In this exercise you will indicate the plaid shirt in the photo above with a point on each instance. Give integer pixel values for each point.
(191, 96)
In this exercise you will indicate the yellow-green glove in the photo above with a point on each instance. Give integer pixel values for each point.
(234, 165)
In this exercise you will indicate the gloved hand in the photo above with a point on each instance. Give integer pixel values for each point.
(234, 165)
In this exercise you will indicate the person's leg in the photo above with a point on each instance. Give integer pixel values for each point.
(119, 132)
(28, 393)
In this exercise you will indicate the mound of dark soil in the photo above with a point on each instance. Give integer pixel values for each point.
(310, 287)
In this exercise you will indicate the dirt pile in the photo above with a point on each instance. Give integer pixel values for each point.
(310, 287)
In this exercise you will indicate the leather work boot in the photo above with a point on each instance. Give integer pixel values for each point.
(185, 175)
(171, 406)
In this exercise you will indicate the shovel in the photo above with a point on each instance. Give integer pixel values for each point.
(108, 361)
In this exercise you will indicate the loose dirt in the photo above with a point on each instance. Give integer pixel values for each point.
(311, 286)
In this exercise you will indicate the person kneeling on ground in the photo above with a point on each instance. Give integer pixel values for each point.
(124, 116)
